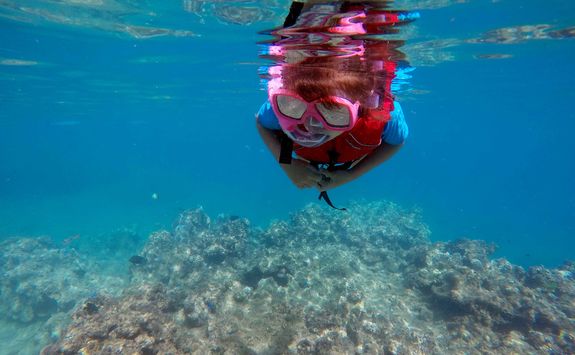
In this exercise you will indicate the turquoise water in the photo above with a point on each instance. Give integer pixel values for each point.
(95, 121)
(118, 116)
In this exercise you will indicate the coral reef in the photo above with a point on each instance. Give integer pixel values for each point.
(40, 279)
(368, 281)
(41, 284)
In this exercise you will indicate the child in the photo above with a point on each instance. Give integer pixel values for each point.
(330, 116)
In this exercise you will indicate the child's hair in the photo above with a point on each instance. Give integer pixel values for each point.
(320, 77)
(366, 79)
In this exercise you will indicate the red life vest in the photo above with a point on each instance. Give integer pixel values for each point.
(349, 146)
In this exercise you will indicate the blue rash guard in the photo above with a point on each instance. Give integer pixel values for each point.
(395, 132)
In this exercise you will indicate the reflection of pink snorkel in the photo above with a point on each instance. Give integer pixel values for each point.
(325, 32)
(356, 19)
(316, 45)
(328, 30)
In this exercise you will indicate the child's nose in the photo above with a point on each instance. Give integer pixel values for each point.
(313, 122)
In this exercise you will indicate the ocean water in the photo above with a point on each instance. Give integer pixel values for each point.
(116, 116)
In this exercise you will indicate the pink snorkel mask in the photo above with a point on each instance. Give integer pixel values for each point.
(310, 123)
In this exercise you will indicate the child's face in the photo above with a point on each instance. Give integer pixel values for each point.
(313, 129)
(315, 126)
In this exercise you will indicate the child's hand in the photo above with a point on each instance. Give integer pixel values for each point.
(333, 179)
(302, 174)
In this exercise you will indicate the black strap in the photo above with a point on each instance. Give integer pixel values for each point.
(286, 149)
(323, 195)
(294, 11)
(332, 155)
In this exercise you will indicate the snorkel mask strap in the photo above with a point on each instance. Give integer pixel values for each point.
(286, 149)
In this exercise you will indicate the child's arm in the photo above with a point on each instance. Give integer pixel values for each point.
(300, 173)
(378, 156)
(270, 139)
(341, 177)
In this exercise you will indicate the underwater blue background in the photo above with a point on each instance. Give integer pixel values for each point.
(93, 122)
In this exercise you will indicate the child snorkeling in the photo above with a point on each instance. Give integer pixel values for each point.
(330, 116)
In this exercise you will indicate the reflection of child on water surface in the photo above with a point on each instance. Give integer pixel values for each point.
(336, 115)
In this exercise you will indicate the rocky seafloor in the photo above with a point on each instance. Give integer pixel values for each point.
(41, 283)
(365, 281)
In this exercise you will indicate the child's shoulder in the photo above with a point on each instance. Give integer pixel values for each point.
(396, 130)
(266, 116)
